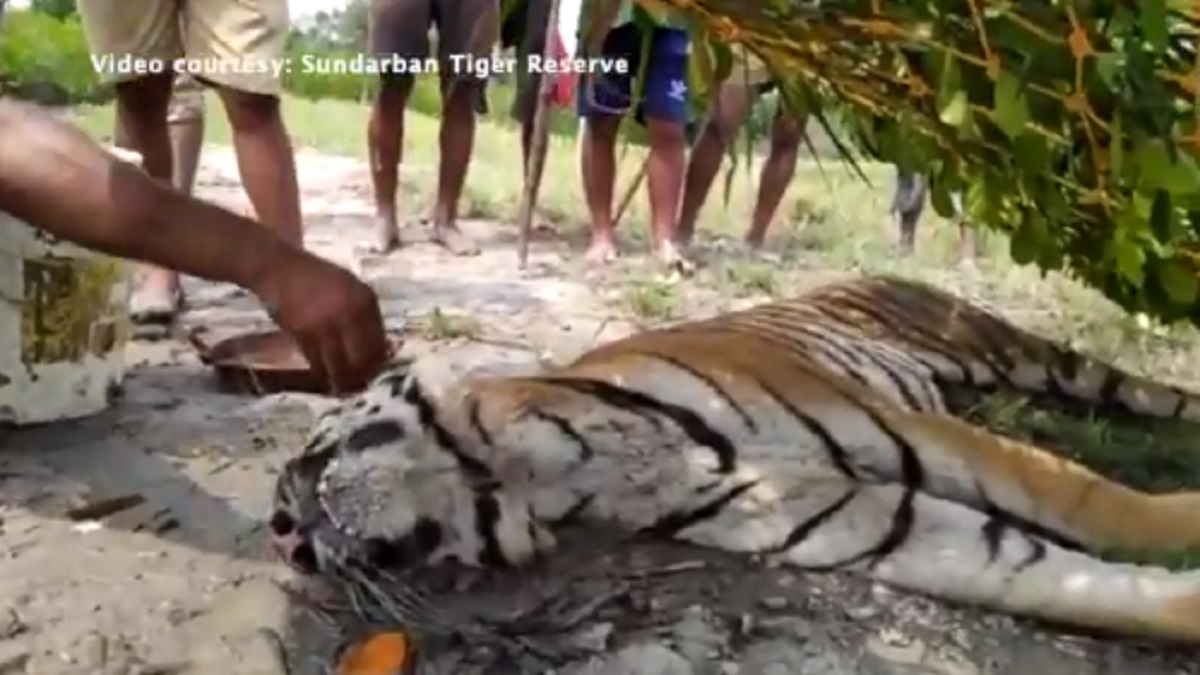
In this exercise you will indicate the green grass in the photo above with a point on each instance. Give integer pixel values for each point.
(831, 223)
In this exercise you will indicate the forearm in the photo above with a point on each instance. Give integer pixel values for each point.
(55, 178)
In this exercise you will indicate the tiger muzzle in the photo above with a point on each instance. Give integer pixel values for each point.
(291, 544)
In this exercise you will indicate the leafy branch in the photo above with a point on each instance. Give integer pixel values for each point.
(1070, 125)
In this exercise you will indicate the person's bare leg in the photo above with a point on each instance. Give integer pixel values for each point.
(777, 173)
(908, 203)
(969, 246)
(456, 140)
(142, 126)
(907, 222)
(665, 167)
(728, 113)
(598, 164)
(266, 161)
(385, 147)
(187, 141)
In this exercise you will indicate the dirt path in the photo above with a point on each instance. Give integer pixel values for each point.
(181, 582)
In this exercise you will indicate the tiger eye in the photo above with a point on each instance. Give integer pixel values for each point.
(427, 535)
(385, 553)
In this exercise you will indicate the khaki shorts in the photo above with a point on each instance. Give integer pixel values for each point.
(187, 100)
(245, 40)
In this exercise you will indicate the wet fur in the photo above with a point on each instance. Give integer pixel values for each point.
(812, 430)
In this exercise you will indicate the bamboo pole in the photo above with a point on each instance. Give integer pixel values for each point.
(630, 191)
(537, 147)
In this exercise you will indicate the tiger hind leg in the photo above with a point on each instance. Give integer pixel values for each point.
(957, 553)
(947, 550)
(963, 463)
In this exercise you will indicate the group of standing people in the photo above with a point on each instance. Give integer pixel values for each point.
(654, 46)
(55, 178)
(161, 127)
(677, 187)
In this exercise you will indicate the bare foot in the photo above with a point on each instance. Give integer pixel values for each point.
(386, 237)
(453, 240)
(673, 259)
(601, 252)
(155, 302)
(968, 254)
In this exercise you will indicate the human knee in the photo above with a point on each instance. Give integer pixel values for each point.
(720, 128)
(392, 95)
(786, 135)
(665, 134)
(603, 129)
(143, 102)
(524, 104)
(461, 98)
(251, 112)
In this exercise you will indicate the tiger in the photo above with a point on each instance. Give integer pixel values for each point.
(812, 432)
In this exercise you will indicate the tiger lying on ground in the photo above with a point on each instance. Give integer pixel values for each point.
(812, 430)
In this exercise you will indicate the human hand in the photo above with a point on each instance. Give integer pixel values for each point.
(332, 315)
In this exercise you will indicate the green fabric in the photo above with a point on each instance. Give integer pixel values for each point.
(667, 19)
(625, 15)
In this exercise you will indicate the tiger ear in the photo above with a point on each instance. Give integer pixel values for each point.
(395, 371)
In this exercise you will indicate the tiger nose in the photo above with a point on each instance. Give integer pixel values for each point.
(290, 545)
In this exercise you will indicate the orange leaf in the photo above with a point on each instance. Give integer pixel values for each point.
(381, 654)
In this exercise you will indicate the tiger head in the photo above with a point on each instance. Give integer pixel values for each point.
(386, 482)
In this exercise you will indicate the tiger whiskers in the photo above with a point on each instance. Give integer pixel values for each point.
(544, 629)
(400, 602)
(404, 605)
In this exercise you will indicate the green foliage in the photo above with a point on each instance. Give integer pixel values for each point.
(46, 58)
(1070, 125)
(59, 9)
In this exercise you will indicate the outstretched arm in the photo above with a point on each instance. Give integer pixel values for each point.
(55, 178)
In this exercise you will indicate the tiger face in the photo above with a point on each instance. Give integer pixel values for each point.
(384, 483)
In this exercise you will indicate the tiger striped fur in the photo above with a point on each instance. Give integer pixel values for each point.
(813, 431)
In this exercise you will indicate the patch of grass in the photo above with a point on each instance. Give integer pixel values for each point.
(436, 326)
(1156, 456)
(1168, 457)
(751, 277)
(654, 300)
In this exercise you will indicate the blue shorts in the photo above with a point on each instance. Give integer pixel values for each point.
(665, 91)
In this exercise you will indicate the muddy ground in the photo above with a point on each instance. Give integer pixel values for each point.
(179, 580)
